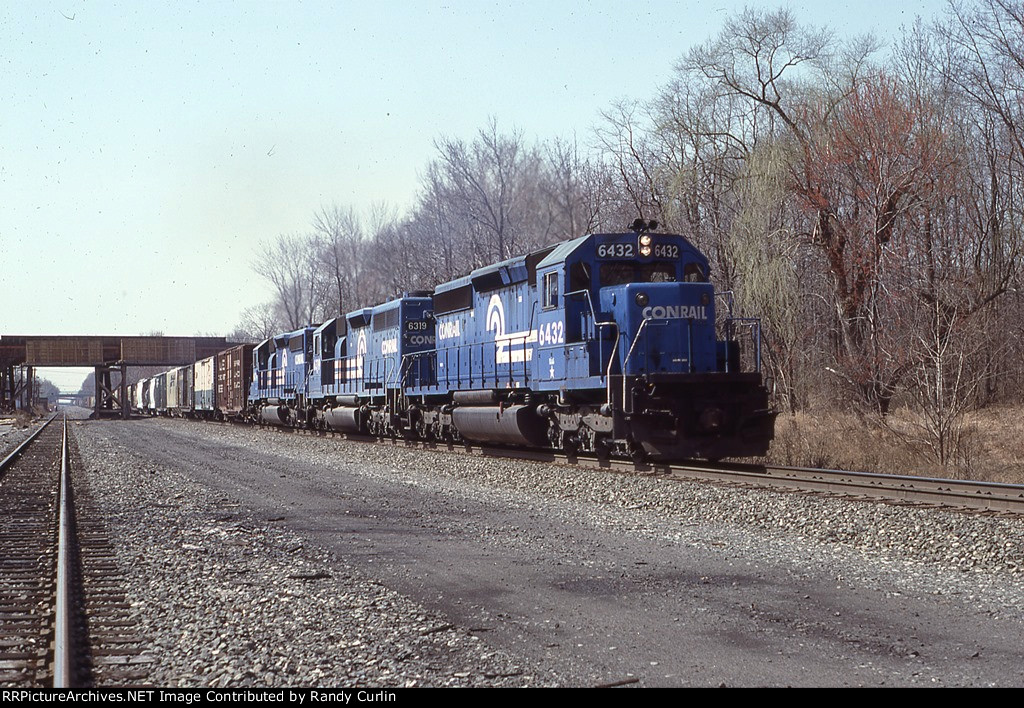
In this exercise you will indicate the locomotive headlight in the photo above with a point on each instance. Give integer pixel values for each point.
(645, 244)
(642, 299)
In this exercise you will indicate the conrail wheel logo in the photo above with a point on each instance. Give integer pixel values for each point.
(511, 347)
(355, 363)
(675, 312)
(495, 317)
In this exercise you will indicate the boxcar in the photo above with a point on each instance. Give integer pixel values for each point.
(233, 371)
(158, 394)
(179, 390)
(204, 395)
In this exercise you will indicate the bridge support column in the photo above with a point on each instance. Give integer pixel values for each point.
(28, 391)
(17, 388)
(111, 400)
(7, 396)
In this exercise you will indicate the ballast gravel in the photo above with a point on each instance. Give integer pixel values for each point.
(234, 601)
(227, 601)
(970, 554)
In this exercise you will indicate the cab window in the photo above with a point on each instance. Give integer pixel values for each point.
(551, 290)
(627, 272)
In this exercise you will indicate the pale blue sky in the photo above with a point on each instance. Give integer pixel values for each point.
(146, 148)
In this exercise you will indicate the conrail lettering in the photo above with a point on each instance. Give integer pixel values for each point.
(675, 312)
(449, 330)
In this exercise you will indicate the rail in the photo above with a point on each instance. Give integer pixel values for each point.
(17, 452)
(62, 643)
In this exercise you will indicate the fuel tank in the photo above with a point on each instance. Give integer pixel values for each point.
(515, 425)
(343, 418)
(275, 415)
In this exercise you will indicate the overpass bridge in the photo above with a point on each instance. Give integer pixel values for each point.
(82, 400)
(20, 355)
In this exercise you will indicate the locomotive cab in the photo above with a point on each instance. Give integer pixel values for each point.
(627, 323)
(323, 371)
(604, 307)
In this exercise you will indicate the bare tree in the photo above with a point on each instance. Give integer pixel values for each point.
(257, 323)
(943, 387)
(572, 194)
(622, 135)
(340, 252)
(291, 266)
(986, 59)
(489, 184)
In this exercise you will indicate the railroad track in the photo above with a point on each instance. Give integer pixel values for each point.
(963, 495)
(63, 621)
(968, 495)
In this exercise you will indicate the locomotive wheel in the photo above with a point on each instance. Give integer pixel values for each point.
(636, 452)
(570, 444)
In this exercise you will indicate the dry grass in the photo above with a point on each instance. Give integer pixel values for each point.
(18, 418)
(998, 443)
(992, 447)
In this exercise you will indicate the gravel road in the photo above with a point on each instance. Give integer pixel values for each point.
(266, 558)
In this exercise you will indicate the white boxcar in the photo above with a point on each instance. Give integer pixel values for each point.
(206, 382)
(139, 399)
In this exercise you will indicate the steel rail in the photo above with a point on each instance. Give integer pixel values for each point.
(952, 493)
(16, 453)
(62, 647)
(991, 496)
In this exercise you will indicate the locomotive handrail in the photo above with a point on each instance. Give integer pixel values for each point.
(512, 344)
(728, 296)
(755, 326)
(590, 302)
(636, 338)
(425, 354)
(529, 328)
(395, 370)
(611, 362)
(405, 366)
(609, 323)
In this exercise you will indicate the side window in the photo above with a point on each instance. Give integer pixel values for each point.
(551, 290)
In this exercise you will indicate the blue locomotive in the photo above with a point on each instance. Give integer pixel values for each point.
(605, 344)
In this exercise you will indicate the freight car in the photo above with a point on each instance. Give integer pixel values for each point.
(605, 344)
(233, 375)
(214, 388)
(204, 388)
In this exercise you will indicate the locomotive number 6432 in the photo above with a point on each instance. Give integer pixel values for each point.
(616, 250)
